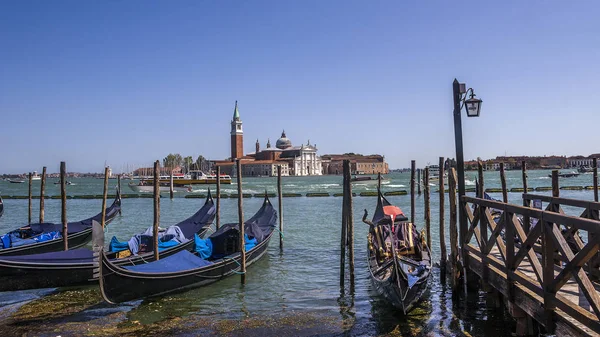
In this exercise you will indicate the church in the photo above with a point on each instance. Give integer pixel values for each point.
(294, 160)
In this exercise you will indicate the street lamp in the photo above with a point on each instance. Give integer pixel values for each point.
(473, 107)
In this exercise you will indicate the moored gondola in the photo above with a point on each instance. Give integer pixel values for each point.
(398, 257)
(47, 237)
(214, 258)
(75, 267)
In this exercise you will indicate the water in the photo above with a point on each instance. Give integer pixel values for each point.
(296, 292)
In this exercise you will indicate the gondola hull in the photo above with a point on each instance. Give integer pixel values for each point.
(122, 285)
(75, 240)
(16, 275)
(388, 288)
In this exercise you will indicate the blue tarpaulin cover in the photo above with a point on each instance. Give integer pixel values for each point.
(180, 261)
(249, 243)
(116, 245)
(204, 247)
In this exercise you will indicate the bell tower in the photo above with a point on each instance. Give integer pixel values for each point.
(237, 135)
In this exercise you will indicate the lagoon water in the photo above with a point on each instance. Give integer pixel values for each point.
(294, 292)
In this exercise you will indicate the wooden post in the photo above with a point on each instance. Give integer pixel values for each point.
(344, 238)
(503, 182)
(103, 218)
(30, 200)
(63, 198)
(555, 187)
(412, 191)
(453, 229)
(526, 203)
(379, 181)
(419, 181)
(156, 210)
(119, 188)
(595, 163)
(241, 222)
(483, 225)
(42, 190)
(427, 208)
(280, 199)
(218, 210)
(442, 215)
(171, 186)
(548, 260)
(350, 226)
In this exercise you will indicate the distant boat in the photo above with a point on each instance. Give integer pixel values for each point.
(566, 175)
(585, 169)
(17, 181)
(148, 188)
(66, 183)
(367, 180)
(36, 176)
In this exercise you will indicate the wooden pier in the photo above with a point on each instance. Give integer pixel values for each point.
(544, 269)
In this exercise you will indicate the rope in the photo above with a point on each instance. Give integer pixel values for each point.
(280, 232)
(239, 265)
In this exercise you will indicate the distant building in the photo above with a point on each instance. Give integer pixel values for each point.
(359, 164)
(294, 160)
(578, 161)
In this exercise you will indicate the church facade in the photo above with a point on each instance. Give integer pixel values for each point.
(294, 160)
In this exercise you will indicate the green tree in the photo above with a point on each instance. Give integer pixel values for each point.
(188, 162)
(173, 160)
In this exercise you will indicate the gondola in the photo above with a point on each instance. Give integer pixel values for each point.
(1, 207)
(185, 270)
(400, 275)
(47, 237)
(75, 267)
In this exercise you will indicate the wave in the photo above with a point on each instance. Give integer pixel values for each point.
(543, 178)
(401, 185)
(469, 182)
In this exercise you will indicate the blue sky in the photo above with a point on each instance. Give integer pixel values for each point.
(127, 82)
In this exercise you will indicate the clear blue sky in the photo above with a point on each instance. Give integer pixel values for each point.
(130, 81)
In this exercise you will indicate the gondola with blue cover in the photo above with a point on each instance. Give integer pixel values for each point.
(47, 237)
(75, 267)
(214, 258)
(398, 257)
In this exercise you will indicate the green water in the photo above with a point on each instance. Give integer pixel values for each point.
(295, 292)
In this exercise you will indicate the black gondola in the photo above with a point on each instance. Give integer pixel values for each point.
(186, 270)
(75, 267)
(1, 207)
(46, 237)
(400, 274)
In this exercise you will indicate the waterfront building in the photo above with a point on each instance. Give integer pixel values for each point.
(294, 160)
(359, 164)
(578, 161)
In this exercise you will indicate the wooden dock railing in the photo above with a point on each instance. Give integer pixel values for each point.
(549, 283)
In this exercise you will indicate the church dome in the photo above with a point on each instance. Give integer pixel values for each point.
(283, 142)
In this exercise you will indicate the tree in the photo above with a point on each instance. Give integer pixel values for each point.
(188, 162)
(202, 163)
(173, 160)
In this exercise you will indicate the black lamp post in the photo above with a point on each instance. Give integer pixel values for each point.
(473, 107)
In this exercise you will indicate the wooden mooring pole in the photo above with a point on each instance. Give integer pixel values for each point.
(344, 238)
(63, 199)
(42, 191)
(412, 191)
(119, 189)
(350, 225)
(104, 196)
(503, 182)
(379, 181)
(241, 222)
(218, 210)
(443, 252)
(595, 178)
(156, 210)
(427, 209)
(483, 225)
(30, 198)
(526, 203)
(453, 231)
(103, 218)
(280, 202)
(419, 181)
(171, 185)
